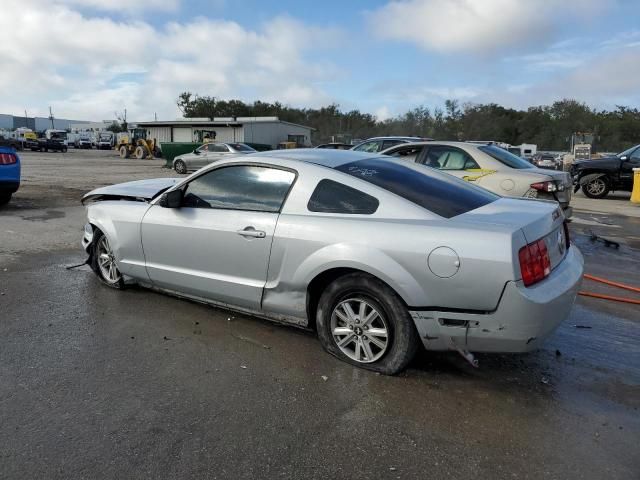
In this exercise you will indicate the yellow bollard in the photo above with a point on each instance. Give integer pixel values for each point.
(635, 194)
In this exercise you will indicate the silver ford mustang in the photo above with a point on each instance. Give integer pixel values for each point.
(378, 255)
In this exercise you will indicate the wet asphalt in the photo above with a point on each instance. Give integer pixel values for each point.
(97, 383)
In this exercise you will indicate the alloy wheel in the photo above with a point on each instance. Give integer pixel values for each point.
(107, 262)
(359, 330)
(596, 187)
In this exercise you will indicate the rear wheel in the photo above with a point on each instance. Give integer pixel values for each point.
(596, 188)
(104, 262)
(180, 167)
(4, 198)
(124, 152)
(363, 322)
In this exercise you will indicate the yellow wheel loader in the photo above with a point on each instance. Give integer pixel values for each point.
(135, 143)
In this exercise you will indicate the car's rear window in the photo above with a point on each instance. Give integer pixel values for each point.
(505, 157)
(440, 193)
(241, 147)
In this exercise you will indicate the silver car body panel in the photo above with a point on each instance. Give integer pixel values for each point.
(199, 253)
(195, 161)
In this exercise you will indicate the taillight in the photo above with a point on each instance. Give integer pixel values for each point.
(545, 186)
(7, 159)
(535, 263)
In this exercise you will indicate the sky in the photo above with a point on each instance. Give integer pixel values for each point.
(89, 59)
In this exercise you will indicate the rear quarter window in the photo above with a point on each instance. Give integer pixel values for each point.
(440, 193)
(335, 197)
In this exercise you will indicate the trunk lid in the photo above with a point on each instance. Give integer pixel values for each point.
(535, 218)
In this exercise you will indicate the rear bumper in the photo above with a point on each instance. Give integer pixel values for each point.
(525, 317)
(9, 187)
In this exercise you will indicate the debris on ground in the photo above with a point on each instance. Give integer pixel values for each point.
(545, 380)
(607, 242)
(558, 353)
(582, 326)
(243, 366)
(166, 338)
(325, 378)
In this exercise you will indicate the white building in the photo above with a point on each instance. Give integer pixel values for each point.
(261, 130)
(92, 127)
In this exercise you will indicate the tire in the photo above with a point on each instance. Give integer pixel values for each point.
(140, 152)
(124, 152)
(596, 188)
(5, 198)
(383, 310)
(64, 149)
(106, 269)
(180, 167)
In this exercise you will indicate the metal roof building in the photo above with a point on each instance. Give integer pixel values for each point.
(262, 130)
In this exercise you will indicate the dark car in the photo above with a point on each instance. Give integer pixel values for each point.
(377, 144)
(9, 173)
(600, 176)
(336, 146)
(45, 144)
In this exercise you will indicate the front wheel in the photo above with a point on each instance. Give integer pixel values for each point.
(596, 188)
(104, 262)
(124, 152)
(363, 322)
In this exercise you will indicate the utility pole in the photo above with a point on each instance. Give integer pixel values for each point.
(51, 118)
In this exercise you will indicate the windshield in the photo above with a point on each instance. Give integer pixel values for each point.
(627, 152)
(241, 147)
(504, 157)
(440, 193)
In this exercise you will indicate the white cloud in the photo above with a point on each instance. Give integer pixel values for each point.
(123, 5)
(477, 26)
(89, 66)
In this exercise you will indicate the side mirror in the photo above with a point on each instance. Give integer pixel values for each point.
(172, 199)
(196, 152)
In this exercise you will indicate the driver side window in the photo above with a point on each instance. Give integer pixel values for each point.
(636, 154)
(240, 187)
(204, 148)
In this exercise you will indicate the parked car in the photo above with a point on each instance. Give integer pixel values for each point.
(546, 160)
(377, 144)
(45, 144)
(10, 142)
(336, 146)
(600, 176)
(208, 153)
(83, 141)
(491, 167)
(9, 173)
(376, 254)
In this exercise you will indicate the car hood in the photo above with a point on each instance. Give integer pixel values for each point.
(597, 162)
(140, 190)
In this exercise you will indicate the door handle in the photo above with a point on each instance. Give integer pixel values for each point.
(251, 232)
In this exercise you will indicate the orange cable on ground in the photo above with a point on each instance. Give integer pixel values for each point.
(613, 284)
(609, 282)
(609, 297)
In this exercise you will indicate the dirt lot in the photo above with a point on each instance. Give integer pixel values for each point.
(96, 383)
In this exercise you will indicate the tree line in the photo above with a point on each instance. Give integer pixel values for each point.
(548, 126)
